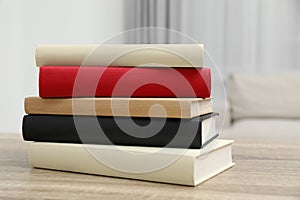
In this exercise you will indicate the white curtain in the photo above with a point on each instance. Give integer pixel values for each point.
(240, 36)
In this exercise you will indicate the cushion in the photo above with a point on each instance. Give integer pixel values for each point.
(264, 130)
(264, 96)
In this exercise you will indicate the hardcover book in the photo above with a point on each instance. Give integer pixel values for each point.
(75, 81)
(130, 107)
(191, 168)
(139, 131)
(164, 55)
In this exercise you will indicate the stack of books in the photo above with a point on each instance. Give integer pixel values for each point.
(132, 111)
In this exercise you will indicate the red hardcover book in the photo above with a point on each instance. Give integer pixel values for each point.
(76, 81)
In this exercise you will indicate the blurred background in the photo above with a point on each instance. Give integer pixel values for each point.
(249, 37)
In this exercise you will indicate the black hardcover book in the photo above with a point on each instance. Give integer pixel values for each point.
(137, 131)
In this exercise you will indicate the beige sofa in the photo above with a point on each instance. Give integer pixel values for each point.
(264, 107)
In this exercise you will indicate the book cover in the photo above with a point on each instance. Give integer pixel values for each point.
(137, 131)
(75, 81)
(134, 107)
(164, 55)
(191, 168)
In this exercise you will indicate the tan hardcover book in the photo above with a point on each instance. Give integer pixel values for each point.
(134, 107)
(190, 168)
(161, 55)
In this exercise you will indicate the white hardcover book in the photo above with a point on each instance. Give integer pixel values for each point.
(161, 55)
(193, 167)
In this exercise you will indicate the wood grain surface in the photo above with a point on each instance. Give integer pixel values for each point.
(263, 171)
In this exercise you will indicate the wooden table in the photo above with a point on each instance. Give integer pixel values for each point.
(263, 171)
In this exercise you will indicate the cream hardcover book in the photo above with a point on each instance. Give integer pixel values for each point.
(191, 168)
(159, 55)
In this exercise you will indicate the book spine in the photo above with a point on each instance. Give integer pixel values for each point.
(65, 157)
(171, 132)
(165, 55)
(75, 81)
(133, 107)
